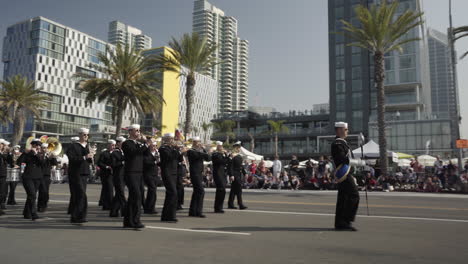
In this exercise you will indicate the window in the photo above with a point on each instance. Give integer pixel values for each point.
(356, 59)
(339, 50)
(356, 73)
(357, 85)
(340, 116)
(407, 76)
(340, 74)
(340, 62)
(340, 87)
(389, 63)
(355, 50)
(340, 102)
(357, 101)
(357, 121)
(339, 12)
(390, 77)
(407, 62)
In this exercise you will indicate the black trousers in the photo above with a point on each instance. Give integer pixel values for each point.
(107, 192)
(150, 202)
(8, 189)
(118, 202)
(31, 187)
(196, 204)
(220, 182)
(180, 189)
(43, 198)
(133, 208)
(79, 200)
(347, 203)
(3, 189)
(170, 201)
(236, 191)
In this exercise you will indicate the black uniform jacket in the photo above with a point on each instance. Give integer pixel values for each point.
(220, 162)
(133, 154)
(196, 158)
(34, 165)
(78, 163)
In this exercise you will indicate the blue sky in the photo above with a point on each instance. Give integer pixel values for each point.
(288, 39)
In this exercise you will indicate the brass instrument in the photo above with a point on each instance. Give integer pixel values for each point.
(55, 147)
(28, 144)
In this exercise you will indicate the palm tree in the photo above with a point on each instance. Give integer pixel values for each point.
(252, 141)
(196, 55)
(277, 127)
(458, 33)
(205, 127)
(19, 99)
(225, 128)
(129, 81)
(381, 32)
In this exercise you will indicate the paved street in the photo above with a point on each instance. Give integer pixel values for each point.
(279, 227)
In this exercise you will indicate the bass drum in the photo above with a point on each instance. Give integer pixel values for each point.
(56, 176)
(13, 175)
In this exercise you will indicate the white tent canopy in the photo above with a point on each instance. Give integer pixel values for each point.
(371, 151)
(426, 160)
(249, 155)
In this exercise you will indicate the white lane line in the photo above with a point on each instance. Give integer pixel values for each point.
(363, 216)
(199, 231)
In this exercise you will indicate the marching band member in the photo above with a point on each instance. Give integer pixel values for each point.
(196, 155)
(49, 160)
(348, 195)
(118, 161)
(105, 168)
(14, 156)
(32, 177)
(169, 159)
(134, 149)
(220, 162)
(150, 177)
(80, 160)
(70, 204)
(3, 175)
(181, 174)
(237, 173)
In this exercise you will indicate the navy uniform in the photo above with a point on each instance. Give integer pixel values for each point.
(348, 195)
(169, 159)
(105, 170)
(236, 170)
(196, 158)
(118, 160)
(11, 186)
(181, 174)
(32, 177)
(43, 198)
(150, 178)
(134, 154)
(220, 163)
(78, 174)
(3, 175)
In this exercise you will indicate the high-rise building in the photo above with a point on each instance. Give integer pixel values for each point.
(233, 52)
(352, 89)
(50, 54)
(172, 114)
(120, 33)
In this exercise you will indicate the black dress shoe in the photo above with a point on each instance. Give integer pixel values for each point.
(346, 228)
(243, 207)
(114, 215)
(179, 208)
(27, 217)
(150, 212)
(140, 225)
(202, 216)
(34, 217)
(40, 210)
(169, 221)
(1, 212)
(232, 207)
(219, 211)
(11, 203)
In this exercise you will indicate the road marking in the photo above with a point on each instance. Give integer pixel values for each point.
(363, 216)
(199, 231)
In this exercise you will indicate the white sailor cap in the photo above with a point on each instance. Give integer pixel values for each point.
(6, 143)
(36, 141)
(17, 147)
(120, 139)
(154, 143)
(74, 139)
(238, 143)
(341, 124)
(169, 135)
(83, 130)
(45, 145)
(2, 141)
(219, 143)
(134, 126)
(111, 141)
(196, 139)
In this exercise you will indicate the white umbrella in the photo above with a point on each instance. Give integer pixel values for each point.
(404, 162)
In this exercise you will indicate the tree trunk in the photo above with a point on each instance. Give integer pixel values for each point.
(276, 144)
(18, 126)
(227, 139)
(379, 60)
(119, 116)
(189, 93)
(252, 142)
